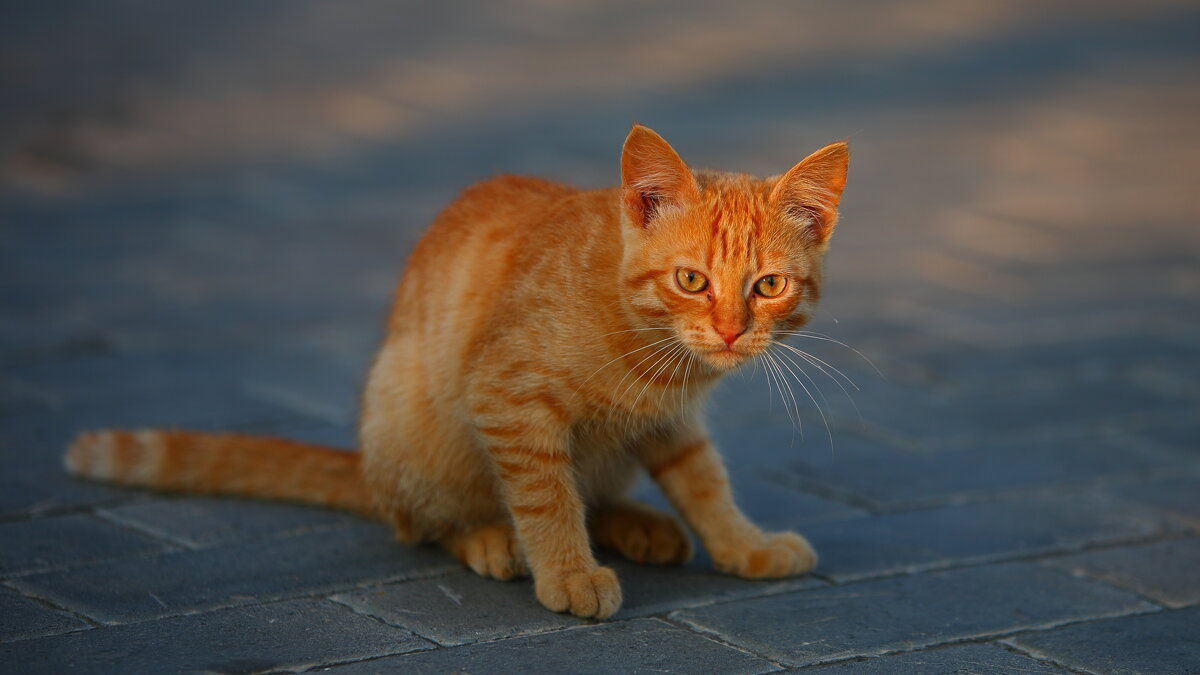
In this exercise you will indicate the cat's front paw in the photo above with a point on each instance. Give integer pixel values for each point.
(777, 554)
(590, 594)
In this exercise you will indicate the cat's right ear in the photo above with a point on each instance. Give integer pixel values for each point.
(653, 176)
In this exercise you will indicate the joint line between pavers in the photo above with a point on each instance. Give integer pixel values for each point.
(719, 639)
(1000, 558)
(34, 512)
(48, 602)
(1006, 645)
(107, 516)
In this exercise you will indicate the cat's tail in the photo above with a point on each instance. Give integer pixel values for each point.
(222, 463)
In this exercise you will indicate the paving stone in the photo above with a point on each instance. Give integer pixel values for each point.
(238, 574)
(1184, 435)
(889, 477)
(32, 491)
(205, 521)
(650, 589)
(908, 613)
(763, 500)
(942, 414)
(858, 548)
(1166, 642)
(293, 635)
(181, 388)
(1177, 495)
(638, 646)
(32, 478)
(931, 415)
(955, 660)
(1071, 355)
(1165, 571)
(21, 618)
(459, 608)
(46, 543)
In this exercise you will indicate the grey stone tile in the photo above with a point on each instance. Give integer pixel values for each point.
(1177, 495)
(1103, 353)
(1166, 642)
(293, 635)
(857, 548)
(938, 414)
(186, 581)
(1167, 571)
(638, 646)
(763, 500)
(650, 589)
(459, 608)
(32, 491)
(206, 521)
(1184, 435)
(890, 477)
(175, 389)
(21, 618)
(772, 505)
(46, 543)
(912, 612)
(955, 660)
(32, 478)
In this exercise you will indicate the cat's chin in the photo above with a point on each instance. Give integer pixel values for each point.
(725, 359)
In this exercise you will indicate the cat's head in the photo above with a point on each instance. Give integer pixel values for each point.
(727, 261)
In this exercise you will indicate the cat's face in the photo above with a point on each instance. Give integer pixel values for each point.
(725, 261)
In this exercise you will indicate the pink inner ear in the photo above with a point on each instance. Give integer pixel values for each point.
(652, 175)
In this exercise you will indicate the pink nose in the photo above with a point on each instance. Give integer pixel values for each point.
(729, 335)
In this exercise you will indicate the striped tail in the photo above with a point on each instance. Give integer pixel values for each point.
(229, 464)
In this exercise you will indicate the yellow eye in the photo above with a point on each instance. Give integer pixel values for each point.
(770, 285)
(691, 280)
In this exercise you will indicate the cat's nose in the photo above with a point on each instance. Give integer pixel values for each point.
(729, 335)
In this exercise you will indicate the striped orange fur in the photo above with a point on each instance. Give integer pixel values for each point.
(547, 343)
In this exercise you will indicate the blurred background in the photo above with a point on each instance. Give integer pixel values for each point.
(205, 207)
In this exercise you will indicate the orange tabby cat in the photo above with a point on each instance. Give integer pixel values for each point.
(545, 343)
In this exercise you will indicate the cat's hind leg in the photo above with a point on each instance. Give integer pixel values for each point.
(491, 550)
(640, 533)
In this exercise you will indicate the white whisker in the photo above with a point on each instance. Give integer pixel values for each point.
(821, 336)
(665, 360)
(777, 374)
(816, 363)
(632, 351)
(820, 412)
(682, 359)
(820, 363)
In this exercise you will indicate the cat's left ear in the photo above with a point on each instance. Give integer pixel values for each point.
(653, 176)
(810, 191)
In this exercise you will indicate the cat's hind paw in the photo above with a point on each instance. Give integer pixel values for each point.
(491, 551)
(590, 594)
(642, 534)
(778, 554)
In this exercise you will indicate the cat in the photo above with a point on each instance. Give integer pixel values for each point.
(545, 344)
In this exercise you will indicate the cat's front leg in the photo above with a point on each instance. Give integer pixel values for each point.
(533, 464)
(691, 473)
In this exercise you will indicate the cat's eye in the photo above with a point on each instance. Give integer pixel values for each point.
(691, 280)
(771, 285)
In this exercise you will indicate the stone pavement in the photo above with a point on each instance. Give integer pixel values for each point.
(205, 206)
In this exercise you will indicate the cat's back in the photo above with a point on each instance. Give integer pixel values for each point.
(513, 203)
(485, 240)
